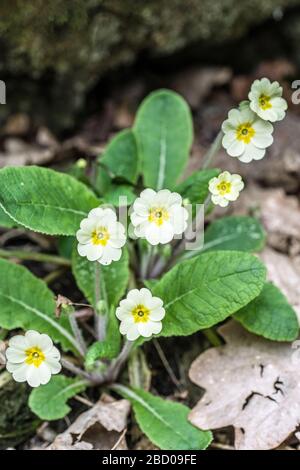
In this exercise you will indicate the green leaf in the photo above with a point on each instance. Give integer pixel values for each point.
(235, 233)
(6, 221)
(205, 290)
(165, 422)
(270, 315)
(45, 200)
(113, 194)
(103, 181)
(195, 188)
(49, 401)
(27, 303)
(115, 277)
(121, 156)
(164, 133)
(110, 347)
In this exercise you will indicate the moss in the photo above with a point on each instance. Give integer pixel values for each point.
(16, 420)
(77, 42)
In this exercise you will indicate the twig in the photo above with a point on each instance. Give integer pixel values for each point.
(166, 364)
(84, 401)
(35, 256)
(120, 439)
(51, 277)
(216, 445)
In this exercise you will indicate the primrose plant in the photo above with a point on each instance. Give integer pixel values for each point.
(123, 232)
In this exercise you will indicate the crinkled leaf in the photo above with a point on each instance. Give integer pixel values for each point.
(270, 315)
(235, 233)
(121, 156)
(45, 200)
(50, 401)
(114, 278)
(252, 384)
(164, 133)
(165, 422)
(27, 303)
(205, 290)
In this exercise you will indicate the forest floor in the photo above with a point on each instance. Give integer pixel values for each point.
(272, 193)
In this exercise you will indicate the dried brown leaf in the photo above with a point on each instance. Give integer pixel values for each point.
(99, 428)
(251, 384)
(283, 273)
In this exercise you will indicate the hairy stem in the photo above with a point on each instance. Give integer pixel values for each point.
(35, 256)
(212, 151)
(75, 370)
(100, 314)
(77, 333)
(118, 363)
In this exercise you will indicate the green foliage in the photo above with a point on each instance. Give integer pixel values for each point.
(164, 132)
(110, 347)
(26, 302)
(165, 422)
(121, 157)
(49, 401)
(113, 278)
(205, 290)
(235, 233)
(115, 191)
(270, 315)
(195, 187)
(44, 200)
(6, 221)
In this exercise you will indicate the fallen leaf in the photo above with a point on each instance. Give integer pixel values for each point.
(283, 273)
(19, 153)
(99, 428)
(195, 83)
(251, 384)
(279, 213)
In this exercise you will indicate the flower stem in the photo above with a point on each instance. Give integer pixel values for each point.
(35, 256)
(212, 151)
(77, 333)
(100, 313)
(212, 337)
(74, 369)
(118, 363)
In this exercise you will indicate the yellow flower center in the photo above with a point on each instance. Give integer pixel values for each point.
(245, 132)
(224, 187)
(100, 236)
(158, 215)
(34, 356)
(140, 314)
(264, 102)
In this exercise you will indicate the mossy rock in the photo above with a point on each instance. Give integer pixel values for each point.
(69, 45)
(17, 423)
